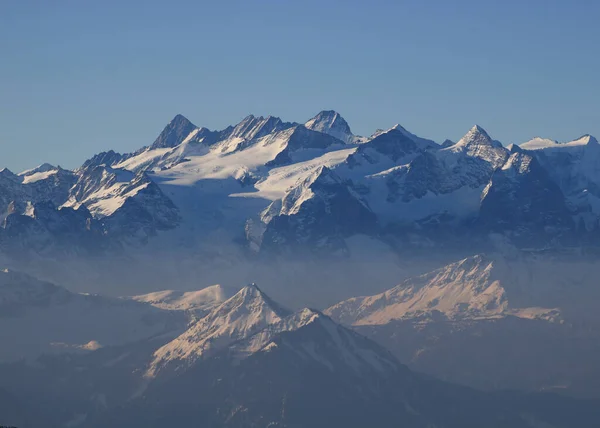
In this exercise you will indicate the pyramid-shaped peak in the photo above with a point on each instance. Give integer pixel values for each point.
(326, 117)
(476, 129)
(422, 142)
(399, 127)
(174, 133)
(586, 139)
(5, 172)
(241, 316)
(476, 135)
(251, 289)
(179, 118)
(332, 123)
(331, 114)
(254, 298)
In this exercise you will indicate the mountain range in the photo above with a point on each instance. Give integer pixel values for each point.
(249, 361)
(492, 322)
(404, 268)
(270, 193)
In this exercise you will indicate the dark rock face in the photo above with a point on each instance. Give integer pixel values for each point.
(55, 188)
(424, 174)
(35, 222)
(49, 229)
(109, 158)
(393, 144)
(174, 133)
(523, 200)
(318, 214)
(302, 138)
(144, 214)
(330, 122)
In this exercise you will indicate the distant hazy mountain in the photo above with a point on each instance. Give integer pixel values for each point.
(492, 322)
(37, 318)
(250, 362)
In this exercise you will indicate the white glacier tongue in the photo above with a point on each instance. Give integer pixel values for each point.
(330, 122)
(239, 317)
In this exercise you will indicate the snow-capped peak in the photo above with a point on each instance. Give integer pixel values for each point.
(239, 317)
(45, 167)
(583, 140)
(477, 287)
(476, 135)
(416, 139)
(174, 133)
(539, 143)
(478, 144)
(255, 127)
(180, 120)
(332, 123)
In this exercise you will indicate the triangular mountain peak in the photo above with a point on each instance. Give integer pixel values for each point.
(424, 142)
(583, 140)
(246, 313)
(332, 123)
(174, 133)
(476, 135)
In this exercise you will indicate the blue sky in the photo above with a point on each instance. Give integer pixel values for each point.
(78, 77)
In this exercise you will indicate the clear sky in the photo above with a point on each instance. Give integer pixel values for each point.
(78, 77)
